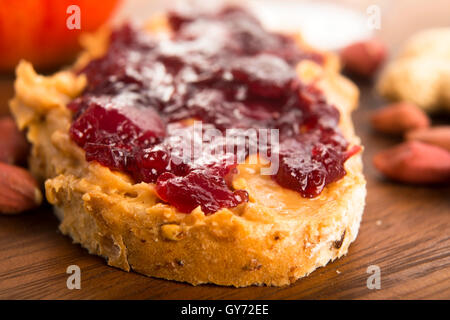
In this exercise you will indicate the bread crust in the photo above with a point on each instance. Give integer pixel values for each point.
(274, 239)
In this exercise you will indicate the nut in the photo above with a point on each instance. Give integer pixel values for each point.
(398, 118)
(172, 232)
(421, 71)
(364, 57)
(415, 162)
(438, 136)
(14, 146)
(18, 190)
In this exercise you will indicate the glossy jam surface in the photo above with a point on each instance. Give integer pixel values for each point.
(225, 70)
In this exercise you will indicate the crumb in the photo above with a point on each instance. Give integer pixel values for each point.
(338, 272)
(379, 222)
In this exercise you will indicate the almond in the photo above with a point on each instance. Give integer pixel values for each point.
(14, 146)
(398, 118)
(19, 191)
(438, 136)
(415, 162)
(364, 57)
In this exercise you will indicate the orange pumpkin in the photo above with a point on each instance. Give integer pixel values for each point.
(36, 30)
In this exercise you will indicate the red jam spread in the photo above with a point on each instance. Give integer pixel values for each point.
(222, 69)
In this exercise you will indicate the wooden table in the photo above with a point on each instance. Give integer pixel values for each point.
(405, 231)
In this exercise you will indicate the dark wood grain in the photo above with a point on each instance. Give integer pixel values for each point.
(405, 231)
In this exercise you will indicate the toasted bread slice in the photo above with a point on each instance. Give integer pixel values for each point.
(274, 239)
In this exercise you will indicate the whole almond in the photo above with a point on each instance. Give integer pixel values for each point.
(13, 145)
(399, 118)
(19, 191)
(363, 57)
(414, 162)
(438, 136)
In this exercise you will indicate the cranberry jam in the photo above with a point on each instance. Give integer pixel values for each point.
(222, 69)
